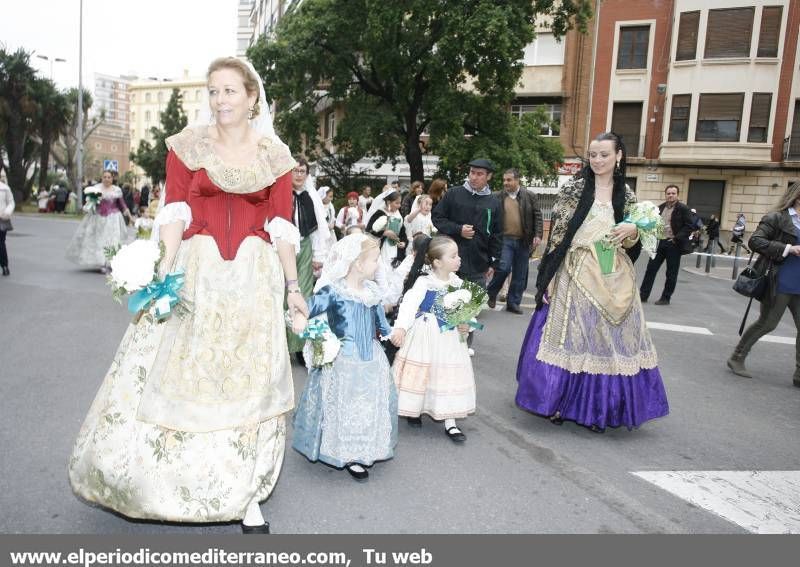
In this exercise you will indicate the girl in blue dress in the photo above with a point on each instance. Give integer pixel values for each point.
(347, 414)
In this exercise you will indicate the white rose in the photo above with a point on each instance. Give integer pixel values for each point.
(452, 300)
(464, 295)
(133, 266)
(380, 224)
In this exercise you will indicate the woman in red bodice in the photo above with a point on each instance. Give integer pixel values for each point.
(189, 423)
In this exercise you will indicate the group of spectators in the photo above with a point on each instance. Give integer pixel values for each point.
(59, 199)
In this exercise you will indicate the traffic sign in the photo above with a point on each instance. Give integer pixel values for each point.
(111, 165)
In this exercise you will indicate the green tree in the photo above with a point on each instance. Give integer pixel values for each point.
(152, 158)
(65, 150)
(404, 68)
(53, 117)
(18, 119)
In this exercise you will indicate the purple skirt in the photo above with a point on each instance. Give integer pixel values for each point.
(601, 400)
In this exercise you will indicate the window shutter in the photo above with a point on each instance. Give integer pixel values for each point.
(759, 118)
(687, 36)
(770, 31)
(719, 117)
(626, 121)
(634, 42)
(729, 32)
(679, 118)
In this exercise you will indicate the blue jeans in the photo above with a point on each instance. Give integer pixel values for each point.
(514, 260)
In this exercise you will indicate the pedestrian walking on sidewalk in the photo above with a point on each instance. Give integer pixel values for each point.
(677, 229)
(777, 242)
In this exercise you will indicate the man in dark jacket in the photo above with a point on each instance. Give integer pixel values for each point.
(522, 233)
(471, 216)
(677, 228)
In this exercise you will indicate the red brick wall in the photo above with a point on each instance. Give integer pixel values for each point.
(788, 65)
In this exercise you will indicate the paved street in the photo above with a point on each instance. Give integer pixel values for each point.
(517, 473)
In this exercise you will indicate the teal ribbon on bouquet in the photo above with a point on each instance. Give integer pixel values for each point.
(163, 293)
(473, 324)
(315, 329)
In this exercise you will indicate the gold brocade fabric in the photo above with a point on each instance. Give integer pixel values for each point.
(225, 364)
(596, 323)
(195, 149)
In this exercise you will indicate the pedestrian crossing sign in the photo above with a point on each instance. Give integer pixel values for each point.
(111, 165)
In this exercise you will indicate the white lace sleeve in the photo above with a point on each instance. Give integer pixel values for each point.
(281, 229)
(178, 211)
(410, 304)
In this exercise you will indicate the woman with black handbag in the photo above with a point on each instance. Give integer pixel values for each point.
(777, 241)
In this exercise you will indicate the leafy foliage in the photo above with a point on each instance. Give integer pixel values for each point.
(405, 69)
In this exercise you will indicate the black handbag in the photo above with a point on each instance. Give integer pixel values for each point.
(5, 225)
(750, 282)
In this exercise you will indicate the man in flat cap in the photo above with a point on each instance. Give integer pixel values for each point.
(473, 218)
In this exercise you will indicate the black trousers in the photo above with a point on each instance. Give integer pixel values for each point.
(669, 251)
(3, 252)
(772, 309)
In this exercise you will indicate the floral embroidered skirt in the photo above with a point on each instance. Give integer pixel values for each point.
(433, 372)
(184, 470)
(589, 365)
(94, 234)
(347, 412)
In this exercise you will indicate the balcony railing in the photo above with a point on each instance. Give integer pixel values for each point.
(791, 148)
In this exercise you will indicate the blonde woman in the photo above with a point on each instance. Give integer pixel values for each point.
(189, 424)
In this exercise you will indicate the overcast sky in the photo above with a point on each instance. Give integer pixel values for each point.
(148, 38)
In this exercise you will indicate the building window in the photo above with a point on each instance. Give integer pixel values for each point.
(330, 125)
(687, 36)
(160, 96)
(633, 45)
(196, 113)
(552, 110)
(728, 32)
(759, 118)
(110, 115)
(198, 95)
(147, 116)
(626, 121)
(133, 97)
(544, 50)
(133, 134)
(147, 97)
(769, 33)
(719, 117)
(133, 117)
(679, 118)
(113, 147)
(98, 146)
(792, 147)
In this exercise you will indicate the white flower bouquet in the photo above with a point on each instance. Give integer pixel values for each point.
(461, 305)
(93, 195)
(144, 227)
(647, 219)
(134, 271)
(322, 346)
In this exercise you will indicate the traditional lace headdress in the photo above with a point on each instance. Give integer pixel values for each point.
(341, 256)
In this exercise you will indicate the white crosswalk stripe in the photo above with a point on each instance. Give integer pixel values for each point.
(763, 502)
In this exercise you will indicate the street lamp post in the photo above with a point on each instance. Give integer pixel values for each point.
(79, 152)
(51, 60)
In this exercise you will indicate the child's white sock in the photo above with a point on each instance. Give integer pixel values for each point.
(448, 423)
(355, 467)
(253, 516)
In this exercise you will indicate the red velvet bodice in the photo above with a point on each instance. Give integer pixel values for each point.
(227, 217)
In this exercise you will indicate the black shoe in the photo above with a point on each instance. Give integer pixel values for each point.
(662, 301)
(556, 419)
(6, 271)
(298, 356)
(492, 303)
(643, 299)
(596, 429)
(414, 421)
(362, 474)
(262, 529)
(455, 435)
(796, 381)
(511, 308)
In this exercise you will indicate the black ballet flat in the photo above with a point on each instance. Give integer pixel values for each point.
(414, 421)
(596, 429)
(262, 529)
(455, 434)
(358, 475)
(556, 419)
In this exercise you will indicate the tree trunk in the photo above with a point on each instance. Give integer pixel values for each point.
(44, 159)
(413, 151)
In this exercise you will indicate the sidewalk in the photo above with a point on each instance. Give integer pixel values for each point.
(722, 270)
